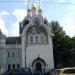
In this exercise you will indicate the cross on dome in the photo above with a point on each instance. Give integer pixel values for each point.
(33, 10)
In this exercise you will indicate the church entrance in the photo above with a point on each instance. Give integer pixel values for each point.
(38, 66)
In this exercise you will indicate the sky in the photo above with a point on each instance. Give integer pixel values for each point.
(13, 11)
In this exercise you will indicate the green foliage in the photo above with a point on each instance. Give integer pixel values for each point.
(63, 44)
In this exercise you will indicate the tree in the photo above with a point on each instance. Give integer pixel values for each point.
(62, 45)
(72, 51)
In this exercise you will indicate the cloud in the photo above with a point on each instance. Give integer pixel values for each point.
(71, 11)
(24, 0)
(2, 26)
(19, 14)
(61, 1)
(4, 13)
(68, 26)
(14, 30)
(2, 22)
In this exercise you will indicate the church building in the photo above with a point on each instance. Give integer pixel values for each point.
(33, 47)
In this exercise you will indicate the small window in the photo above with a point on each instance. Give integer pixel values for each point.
(13, 54)
(36, 39)
(45, 22)
(26, 22)
(31, 39)
(8, 54)
(42, 39)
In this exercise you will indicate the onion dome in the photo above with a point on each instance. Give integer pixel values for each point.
(28, 12)
(39, 11)
(33, 10)
(33, 7)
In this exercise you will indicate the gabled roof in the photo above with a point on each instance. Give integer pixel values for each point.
(13, 40)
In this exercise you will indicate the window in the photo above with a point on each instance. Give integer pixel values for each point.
(42, 39)
(13, 54)
(18, 65)
(13, 66)
(45, 22)
(8, 54)
(31, 39)
(9, 67)
(36, 39)
(26, 22)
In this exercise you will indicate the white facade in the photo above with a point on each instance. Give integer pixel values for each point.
(33, 48)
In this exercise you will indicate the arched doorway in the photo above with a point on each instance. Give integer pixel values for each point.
(38, 66)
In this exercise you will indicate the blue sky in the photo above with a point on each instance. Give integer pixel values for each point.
(11, 13)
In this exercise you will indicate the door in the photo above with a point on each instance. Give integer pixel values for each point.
(38, 66)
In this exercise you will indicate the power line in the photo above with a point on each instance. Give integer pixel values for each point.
(40, 2)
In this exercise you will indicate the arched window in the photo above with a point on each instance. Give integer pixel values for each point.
(26, 22)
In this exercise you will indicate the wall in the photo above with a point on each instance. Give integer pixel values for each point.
(16, 59)
(45, 52)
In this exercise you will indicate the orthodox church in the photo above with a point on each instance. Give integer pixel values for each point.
(33, 47)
